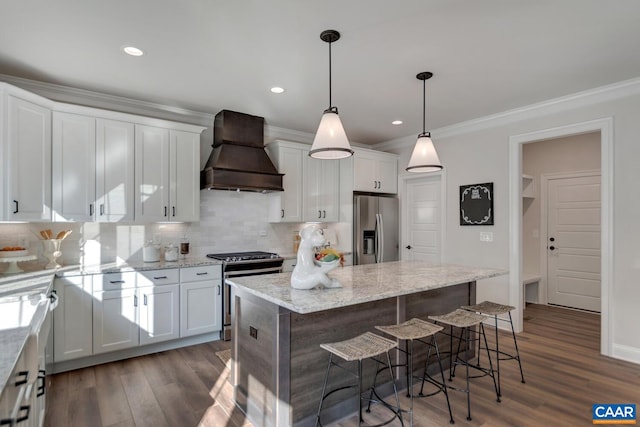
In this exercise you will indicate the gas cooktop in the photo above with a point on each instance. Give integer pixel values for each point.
(245, 256)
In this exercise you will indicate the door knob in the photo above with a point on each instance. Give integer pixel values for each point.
(552, 239)
(552, 248)
(408, 246)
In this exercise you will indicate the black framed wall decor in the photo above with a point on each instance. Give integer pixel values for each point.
(476, 204)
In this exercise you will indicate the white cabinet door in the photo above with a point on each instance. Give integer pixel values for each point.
(151, 173)
(114, 171)
(159, 317)
(184, 174)
(387, 174)
(321, 190)
(73, 167)
(364, 178)
(375, 172)
(72, 319)
(201, 307)
(28, 162)
(115, 323)
(200, 300)
(286, 206)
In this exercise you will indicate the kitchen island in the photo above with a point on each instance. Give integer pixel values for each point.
(278, 365)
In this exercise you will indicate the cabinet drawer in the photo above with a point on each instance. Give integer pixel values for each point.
(167, 276)
(115, 281)
(197, 274)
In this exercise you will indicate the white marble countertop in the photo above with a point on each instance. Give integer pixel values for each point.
(362, 283)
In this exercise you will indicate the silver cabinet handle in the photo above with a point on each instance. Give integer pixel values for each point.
(101, 209)
(218, 289)
(90, 209)
(202, 274)
(116, 281)
(135, 300)
(173, 209)
(145, 299)
(17, 206)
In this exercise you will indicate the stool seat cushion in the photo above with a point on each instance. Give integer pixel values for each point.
(411, 329)
(460, 318)
(360, 347)
(490, 308)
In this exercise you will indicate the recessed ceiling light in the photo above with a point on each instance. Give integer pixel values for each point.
(396, 122)
(277, 89)
(133, 51)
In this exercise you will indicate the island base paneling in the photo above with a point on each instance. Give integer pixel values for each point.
(279, 367)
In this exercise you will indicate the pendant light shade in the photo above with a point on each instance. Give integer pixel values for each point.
(424, 157)
(331, 140)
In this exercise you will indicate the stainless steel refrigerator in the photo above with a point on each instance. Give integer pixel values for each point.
(375, 228)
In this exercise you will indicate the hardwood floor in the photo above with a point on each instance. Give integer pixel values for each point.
(564, 373)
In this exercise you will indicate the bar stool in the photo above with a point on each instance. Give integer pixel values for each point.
(489, 308)
(465, 321)
(418, 330)
(364, 346)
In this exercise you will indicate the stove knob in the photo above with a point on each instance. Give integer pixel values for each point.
(227, 259)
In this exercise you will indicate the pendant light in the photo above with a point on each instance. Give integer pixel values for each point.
(424, 157)
(331, 141)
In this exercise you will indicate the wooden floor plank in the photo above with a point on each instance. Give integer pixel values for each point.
(564, 372)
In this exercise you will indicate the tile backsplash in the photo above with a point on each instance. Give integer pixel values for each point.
(229, 221)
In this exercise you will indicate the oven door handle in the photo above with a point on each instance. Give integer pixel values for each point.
(251, 272)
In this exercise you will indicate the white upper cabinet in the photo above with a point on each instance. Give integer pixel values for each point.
(184, 176)
(92, 168)
(321, 190)
(73, 167)
(152, 173)
(375, 172)
(26, 158)
(114, 171)
(286, 206)
(167, 174)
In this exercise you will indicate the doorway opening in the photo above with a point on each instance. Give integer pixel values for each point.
(603, 129)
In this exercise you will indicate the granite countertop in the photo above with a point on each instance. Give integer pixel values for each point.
(23, 308)
(139, 266)
(362, 283)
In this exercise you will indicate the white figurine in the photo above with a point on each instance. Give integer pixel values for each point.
(307, 274)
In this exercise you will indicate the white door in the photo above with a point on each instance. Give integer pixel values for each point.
(423, 219)
(573, 242)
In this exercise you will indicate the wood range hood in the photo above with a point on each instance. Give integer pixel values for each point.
(238, 160)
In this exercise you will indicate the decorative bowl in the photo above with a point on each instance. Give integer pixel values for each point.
(13, 254)
(330, 264)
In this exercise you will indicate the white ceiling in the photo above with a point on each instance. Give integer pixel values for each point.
(206, 55)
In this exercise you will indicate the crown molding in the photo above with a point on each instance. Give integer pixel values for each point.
(274, 132)
(89, 98)
(585, 98)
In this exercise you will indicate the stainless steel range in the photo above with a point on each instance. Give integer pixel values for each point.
(238, 264)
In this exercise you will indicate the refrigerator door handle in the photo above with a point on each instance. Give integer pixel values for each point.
(379, 237)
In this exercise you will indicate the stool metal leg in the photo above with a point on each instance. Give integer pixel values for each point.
(434, 341)
(324, 387)
(491, 371)
(466, 352)
(499, 390)
(360, 392)
(513, 332)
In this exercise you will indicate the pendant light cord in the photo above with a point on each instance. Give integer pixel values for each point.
(330, 104)
(424, 105)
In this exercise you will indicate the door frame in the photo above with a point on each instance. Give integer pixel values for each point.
(543, 294)
(605, 127)
(404, 211)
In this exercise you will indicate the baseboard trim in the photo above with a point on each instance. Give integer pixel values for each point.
(69, 365)
(626, 353)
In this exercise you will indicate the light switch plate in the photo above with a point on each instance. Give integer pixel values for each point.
(486, 236)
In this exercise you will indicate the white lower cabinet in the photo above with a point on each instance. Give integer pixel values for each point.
(109, 312)
(200, 300)
(115, 320)
(159, 298)
(72, 320)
